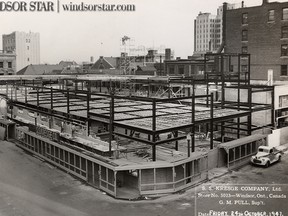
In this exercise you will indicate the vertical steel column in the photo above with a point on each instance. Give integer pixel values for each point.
(176, 142)
(222, 83)
(188, 147)
(160, 65)
(206, 77)
(68, 101)
(88, 106)
(15, 93)
(111, 122)
(169, 90)
(250, 111)
(148, 92)
(273, 107)
(207, 94)
(38, 97)
(12, 86)
(238, 97)
(7, 89)
(211, 121)
(193, 118)
(154, 128)
(51, 98)
(76, 86)
(26, 95)
(249, 61)
(222, 95)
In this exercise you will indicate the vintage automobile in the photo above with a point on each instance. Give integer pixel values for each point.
(266, 156)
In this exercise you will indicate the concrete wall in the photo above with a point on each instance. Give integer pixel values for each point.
(213, 158)
(3, 107)
(278, 137)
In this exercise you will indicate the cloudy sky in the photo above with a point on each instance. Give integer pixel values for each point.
(79, 35)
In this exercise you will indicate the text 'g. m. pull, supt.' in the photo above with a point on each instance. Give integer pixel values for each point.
(22, 6)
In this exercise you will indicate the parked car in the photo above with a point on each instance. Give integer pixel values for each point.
(266, 156)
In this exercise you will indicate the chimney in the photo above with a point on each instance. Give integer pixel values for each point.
(242, 4)
(167, 54)
(265, 2)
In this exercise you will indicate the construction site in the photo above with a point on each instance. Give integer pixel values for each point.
(136, 136)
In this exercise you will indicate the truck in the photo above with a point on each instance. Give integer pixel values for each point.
(266, 156)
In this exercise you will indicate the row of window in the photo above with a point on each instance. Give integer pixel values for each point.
(10, 40)
(212, 36)
(207, 20)
(9, 48)
(2, 64)
(207, 31)
(284, 33)
(270, 16)
(206, 47)
(207, 25)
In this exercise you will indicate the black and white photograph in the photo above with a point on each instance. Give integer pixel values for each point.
(143, 108)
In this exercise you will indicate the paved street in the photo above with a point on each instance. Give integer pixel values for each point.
(31, 187)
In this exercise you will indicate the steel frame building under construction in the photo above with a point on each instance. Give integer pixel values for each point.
(102, 131)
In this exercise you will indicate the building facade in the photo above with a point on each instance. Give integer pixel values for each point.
(262, 32)
(208, 31)
(26, 46)
(7, 63)
(186, 67)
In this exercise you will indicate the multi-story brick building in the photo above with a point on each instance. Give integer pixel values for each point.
(26, 47)
(261, 31)
(7, 63)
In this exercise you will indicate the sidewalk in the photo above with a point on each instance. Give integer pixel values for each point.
(283, 148)
(217, 172)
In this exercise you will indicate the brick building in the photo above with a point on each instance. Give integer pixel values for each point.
(261, 31)
(7, 63)
(186, 67)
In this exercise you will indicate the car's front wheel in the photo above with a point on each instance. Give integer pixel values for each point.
(267, 164)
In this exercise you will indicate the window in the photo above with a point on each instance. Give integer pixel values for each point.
(244, 68)
(171, 70)
(27, 47)
(181, 70)
(244, 49)
(285, 14)
(244, 35)
(1, 64)
(283, 70)
(283, 100)
(284, 50)
(245, 18)
(28, 59)
(271, 15)
(9, 64)
(284, 32)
